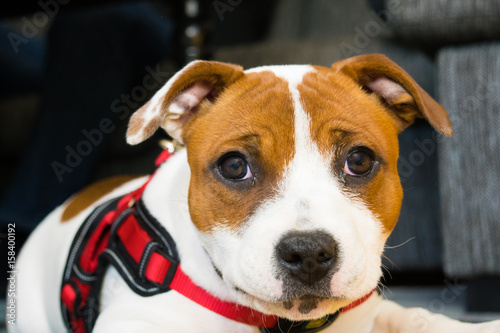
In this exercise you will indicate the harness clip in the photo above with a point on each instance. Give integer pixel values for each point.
(158, 267)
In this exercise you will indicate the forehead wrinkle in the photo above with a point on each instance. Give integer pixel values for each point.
(346, 134)
(249, 142)
(331, 116)
(253, 136)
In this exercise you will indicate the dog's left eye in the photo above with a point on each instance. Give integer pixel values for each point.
(234, 167)
(359, 162)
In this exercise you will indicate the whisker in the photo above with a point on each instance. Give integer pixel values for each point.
(396, 246)
(391, 262)
(384, 267)
(382, 289)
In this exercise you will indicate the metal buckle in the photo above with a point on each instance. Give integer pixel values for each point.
(171, 145)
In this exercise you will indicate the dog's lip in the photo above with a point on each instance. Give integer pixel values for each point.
(310, 297)
(305, 296)
(236, 287)
(248, 294)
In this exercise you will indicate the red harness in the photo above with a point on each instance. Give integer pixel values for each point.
(122, 233)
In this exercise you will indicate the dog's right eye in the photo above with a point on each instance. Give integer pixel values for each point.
(234, 167)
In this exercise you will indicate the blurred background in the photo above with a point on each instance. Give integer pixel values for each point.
(72, 72)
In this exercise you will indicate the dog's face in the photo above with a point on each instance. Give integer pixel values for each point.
(294, 186)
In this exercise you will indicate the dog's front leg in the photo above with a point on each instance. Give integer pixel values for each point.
(128, 326)
(130, 320)
(175, 314)
(393, 318)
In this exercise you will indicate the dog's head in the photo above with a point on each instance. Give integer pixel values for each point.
(294, 185)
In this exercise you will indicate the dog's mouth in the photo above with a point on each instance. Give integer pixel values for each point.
(297, 305)
(306, 306)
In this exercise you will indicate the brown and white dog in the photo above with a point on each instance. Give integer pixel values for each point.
(283, 166)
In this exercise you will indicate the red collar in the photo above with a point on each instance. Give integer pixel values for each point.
(185, 286)
(357, 302)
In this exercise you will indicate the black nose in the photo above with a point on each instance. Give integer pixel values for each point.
(307, 256)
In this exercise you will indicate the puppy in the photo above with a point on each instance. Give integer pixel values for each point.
(272, 219)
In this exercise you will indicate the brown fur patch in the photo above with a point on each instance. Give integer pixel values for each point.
(254, 117)
(137, 121)
(86, 197)
(344, 116)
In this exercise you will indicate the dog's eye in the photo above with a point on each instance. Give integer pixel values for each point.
(234, 167)
(359, 162)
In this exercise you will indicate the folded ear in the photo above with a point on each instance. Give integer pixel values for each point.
(180, 97)
(379, 75)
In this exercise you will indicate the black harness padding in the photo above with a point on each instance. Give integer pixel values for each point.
(83, 285)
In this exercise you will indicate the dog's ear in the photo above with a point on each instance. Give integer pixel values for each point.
(180, 98)
(379, 75)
